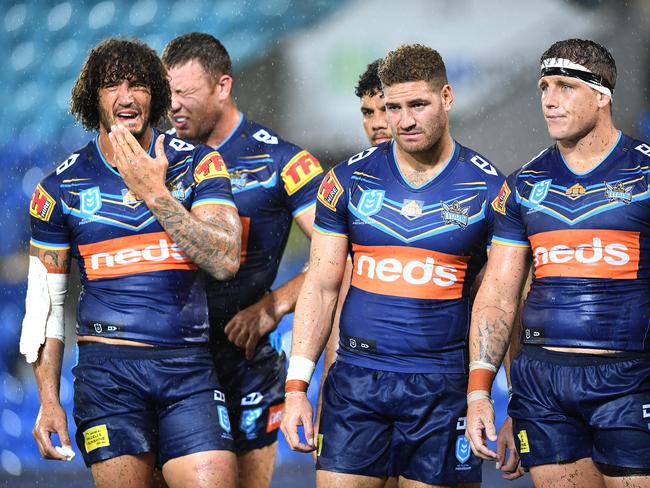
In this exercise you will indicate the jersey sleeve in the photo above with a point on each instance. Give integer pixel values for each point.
(211, 179)
(301, 176)
(331, 206)
(509, 229)
(47, 217)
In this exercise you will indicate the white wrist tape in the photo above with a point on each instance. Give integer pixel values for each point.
(43, 308)
(478, 395)
(300, 368)
(482, 365)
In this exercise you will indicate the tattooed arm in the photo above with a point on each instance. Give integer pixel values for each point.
(210, 235)
(493, 315)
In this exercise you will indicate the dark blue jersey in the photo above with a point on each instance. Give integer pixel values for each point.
(416, 252)
(590, 239)
(273, 181)
(137, 284)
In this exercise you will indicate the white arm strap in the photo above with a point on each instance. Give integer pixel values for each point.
(43, 308)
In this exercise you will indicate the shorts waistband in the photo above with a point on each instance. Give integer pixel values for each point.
(580, 359)
(87, 348)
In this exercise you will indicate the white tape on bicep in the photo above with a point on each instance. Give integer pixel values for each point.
(43, 308)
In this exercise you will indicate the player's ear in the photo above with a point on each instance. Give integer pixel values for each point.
(224, 85)
(447, 96)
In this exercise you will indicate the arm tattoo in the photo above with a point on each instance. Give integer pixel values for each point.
(54, 261)
(213, 242)
(494, 327)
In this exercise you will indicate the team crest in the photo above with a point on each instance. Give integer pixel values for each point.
(238, 179)
(412, 208)
(455, 214)
(463, 450)
(618, 192)
(90, 200)
(129, 198)
(177, 191)
(370, 202)
(539, 191)
(576, 191)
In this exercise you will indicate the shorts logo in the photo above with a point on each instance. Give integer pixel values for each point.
(136, 254)
(463, 451)
(299, 171)
(586, 253)
(211, 166)
(224, 420)
(408, 272)
(96, 437)
(646, 413)
(499, 202)
(42, 204)
(455, 214)
(275, 417)
(370, 202)
(576, 191)
(90, 200)
(219, 396)
(539, 192)
(524, 446)
(461, 424)
(252, 399)
(618, 193)
(330, 191)
(248, 421)
(319, 444)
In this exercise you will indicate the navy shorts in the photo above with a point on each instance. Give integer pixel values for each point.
(254, 393)
(380, 423)
(131, 400)
(569, 406)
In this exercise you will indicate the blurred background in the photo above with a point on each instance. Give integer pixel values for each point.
(296, 65)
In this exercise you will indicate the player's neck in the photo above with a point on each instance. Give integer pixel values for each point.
(227, 123)
(585, 153)
(106, 148)
(425, 163)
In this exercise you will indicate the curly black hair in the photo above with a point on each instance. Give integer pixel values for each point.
(204, 48)
(589, 54)
(112, 61)
(369, 82)
(413, 62)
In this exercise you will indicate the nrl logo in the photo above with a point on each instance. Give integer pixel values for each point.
(238, 179)
(576, 191)
(455, 214)
(618, 192)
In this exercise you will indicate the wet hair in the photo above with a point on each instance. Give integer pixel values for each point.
(413, 62)
(589, 54)
(369, 83)
(112, 61)
(204, 48)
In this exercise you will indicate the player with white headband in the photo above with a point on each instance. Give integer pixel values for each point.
(580, 211)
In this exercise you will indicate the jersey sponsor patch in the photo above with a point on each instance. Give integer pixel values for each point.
(330, 190)
(499, 202)
(299, 171)
(275, 417)
(136, 254)
(211, 166)
(586, 253)
(408, 272)
(42, 204)
(96, 437)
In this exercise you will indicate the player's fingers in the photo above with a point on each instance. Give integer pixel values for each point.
(308, 427)
(44, 443)
(251, 343)
(160, 148)
(501, 452)
(490, 430)
(480, 447)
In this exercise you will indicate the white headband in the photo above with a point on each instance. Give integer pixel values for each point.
(565, 67)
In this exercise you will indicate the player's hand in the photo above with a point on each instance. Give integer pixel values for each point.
(480, 427)
(511, 468)
(298, 411)
(142, 174)
(245, 329)
(51, 420)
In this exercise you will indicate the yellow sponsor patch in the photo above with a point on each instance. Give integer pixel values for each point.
(524, 446)
(299, 171)
(499, 202)
(42, 204)
(211, 166)
(96, 437)
(319, 444)
(330, 191)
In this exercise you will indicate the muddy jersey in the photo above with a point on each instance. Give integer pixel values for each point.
(590, 239)
(416, 252)
(137, 284)
(273, 181)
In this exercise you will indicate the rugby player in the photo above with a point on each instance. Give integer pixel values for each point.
(373, 108)
(140, 211)
(579, 210)
(274, 182)
(415, 215)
